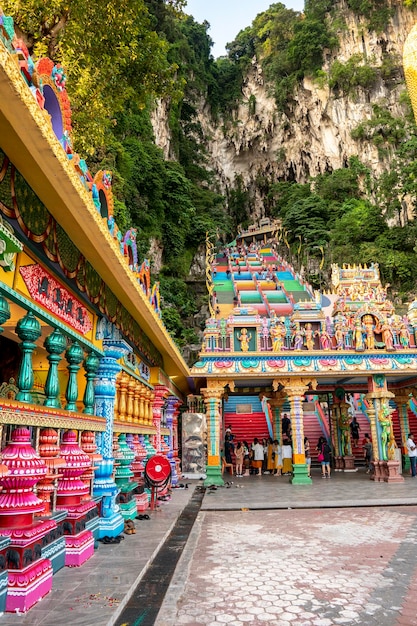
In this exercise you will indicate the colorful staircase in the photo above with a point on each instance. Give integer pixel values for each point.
(245, 425)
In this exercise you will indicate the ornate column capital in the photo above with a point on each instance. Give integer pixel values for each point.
(298, 386)
(276, 398)
(213, 392)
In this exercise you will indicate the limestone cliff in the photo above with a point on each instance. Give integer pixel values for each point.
(314, 135)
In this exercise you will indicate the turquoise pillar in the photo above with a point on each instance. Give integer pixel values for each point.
(4, 312)
(74, 356)
(28, 329)
(172, 403)
(91, 364)
(111, 521)
(55, 345)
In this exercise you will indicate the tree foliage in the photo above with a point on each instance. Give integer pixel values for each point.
(111, 57)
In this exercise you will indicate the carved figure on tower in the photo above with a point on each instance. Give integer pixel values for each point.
(369, 325)
(339, 336)
(298, 338)
(278, 333)
(344, 432)
(309, 336)
(404, 336)
(244, 339)
(358, 336)
(387, 335)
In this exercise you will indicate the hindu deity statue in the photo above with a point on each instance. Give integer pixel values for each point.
(325, 339)
(384, 419)
(368, 322)
(339, 335)
(344, 432)
(298, 338)
(404, 336)
(309, 337)
(244, 339)
(387, 335)
(358, 336)
(278, 333)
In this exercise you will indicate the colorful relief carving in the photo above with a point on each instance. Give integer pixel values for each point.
(46, 290)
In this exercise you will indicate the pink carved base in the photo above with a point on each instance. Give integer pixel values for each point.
(338, 463)
(387, 472)
(142, 502)
(26, 587)
(349, 462)
(391, 472)
(79, 548)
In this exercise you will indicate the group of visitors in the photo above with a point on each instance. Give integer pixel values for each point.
(264, 456)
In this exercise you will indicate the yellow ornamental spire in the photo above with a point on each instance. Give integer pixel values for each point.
(410, 67)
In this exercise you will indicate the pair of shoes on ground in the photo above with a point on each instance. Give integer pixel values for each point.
(130, 527)
(145, 516)
(108, 539)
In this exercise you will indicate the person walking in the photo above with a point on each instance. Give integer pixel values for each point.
(412, 454)
(354, 432)
(368, 450)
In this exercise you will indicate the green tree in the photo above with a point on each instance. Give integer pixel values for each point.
(110, 54)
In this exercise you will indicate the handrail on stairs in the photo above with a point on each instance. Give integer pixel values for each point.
(267, 410)
(318, 409)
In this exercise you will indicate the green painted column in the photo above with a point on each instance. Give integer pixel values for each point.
(212, 399)
(74, 356)
(55, 345)
(91, 365)
(28, 329)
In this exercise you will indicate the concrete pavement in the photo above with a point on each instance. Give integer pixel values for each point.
(259, 549)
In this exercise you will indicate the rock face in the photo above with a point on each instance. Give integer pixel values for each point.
(314, 135)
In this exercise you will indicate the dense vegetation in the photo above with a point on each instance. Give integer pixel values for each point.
(121, 57)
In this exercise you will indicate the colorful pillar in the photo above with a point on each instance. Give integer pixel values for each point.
(91, 363)
(212, 396)
(74, 356)
(276, 402)
(158, 402)
(295, 389)
(385, 464)
(28, 329)
(111, 522)
(172, 404)
(55, 345)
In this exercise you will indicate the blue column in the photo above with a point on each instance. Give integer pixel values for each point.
(171, 405)
(111, 521)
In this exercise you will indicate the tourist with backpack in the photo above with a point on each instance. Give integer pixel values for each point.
(324, 456)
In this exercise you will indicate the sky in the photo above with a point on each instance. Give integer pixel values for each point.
(228, 17)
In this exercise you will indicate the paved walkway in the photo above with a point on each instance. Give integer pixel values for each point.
(231, 537)
(341, 490)
(288, 561)
(97, 592)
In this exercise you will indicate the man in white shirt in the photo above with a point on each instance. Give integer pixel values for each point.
(412, 453)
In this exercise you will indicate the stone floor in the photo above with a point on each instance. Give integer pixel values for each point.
(261, 551)
(297, 567)
(97, 592)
